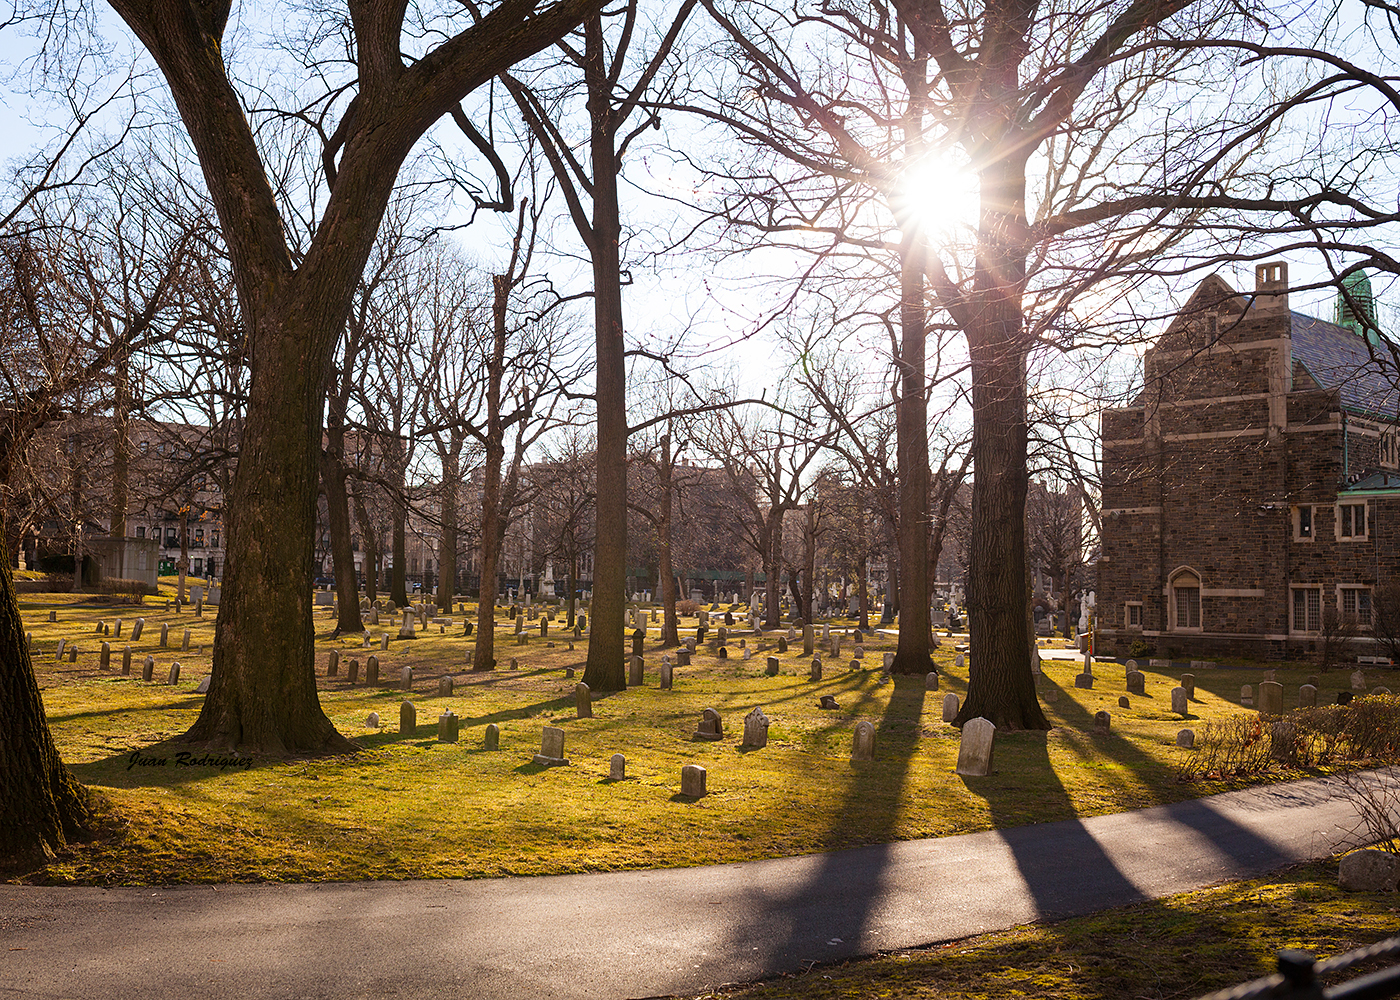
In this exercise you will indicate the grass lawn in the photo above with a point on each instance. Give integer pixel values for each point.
(1177, 947)
(410, 807)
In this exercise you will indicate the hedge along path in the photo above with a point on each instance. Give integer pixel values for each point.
(407, 807)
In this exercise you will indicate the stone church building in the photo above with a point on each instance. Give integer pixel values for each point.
(1252, 490)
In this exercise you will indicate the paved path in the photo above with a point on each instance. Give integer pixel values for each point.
(637, 934)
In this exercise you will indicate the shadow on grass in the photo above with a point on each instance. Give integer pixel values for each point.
(870, 809)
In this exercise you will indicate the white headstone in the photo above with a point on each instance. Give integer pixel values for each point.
(975, 750)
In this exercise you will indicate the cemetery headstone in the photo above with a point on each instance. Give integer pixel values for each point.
(711, 728)
(58, 655)
(1358, 680)
(551, 748)
(931, 681)
(333, 664)
(372, 671)
(372, 722)
(1186, 738)
(449, 727)
(174, 677)
(148, 668)
(492, 740)
(1307, 696)
(353, 671)
(1188, 682)
(636, 672)
(1271, 698)
(808, 643)
(617, 767)
(126, 662)
(975, 749)
(1179, 705)
(682, 657)
(1137, 682)
(755, 729)
(960, 661)
(1123, 701)
(185, 642)
(73, 654)
(408, 719)
(384, 642)
(722, 652)
(693, 781)
(1102, 722)
(104, 656)
(828, 703)
(859, 652)
(950, 707)
(1247, 695)
(1084, 680)
(164, 634)
(772, 668)
(782, 644)
(667, 672)
(406, 679)
(863, 741)
(816, 673)
(583, 701)
(444, 687)
(137, 629)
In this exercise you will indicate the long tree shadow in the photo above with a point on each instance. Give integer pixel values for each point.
(776, 933)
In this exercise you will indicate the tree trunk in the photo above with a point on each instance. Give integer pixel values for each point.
(262, 692)
(447, 552)
(492, 532)
(347, 588)
(42, 806)
(911, 432)
(863, 598)
(604, 670)
(809, 566)
(398, 573)
(670, 629)
(772, 562)
(121, 449)
(1001, 687)
(370, 537)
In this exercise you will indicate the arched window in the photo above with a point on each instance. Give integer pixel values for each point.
(1185, 603)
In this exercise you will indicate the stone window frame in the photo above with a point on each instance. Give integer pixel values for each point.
(1181, 574)
(1358, 588)
(1365, 505)
(1128, 608)
(1295, 589)
(1299, 535)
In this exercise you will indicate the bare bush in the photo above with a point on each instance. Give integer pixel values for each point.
(1376, 796)
(1337, 639)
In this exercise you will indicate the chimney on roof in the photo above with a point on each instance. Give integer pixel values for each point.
(1271, 288)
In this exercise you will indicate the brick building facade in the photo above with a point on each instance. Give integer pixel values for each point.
(1253, 487)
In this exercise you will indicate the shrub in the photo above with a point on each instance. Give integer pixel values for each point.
(1139, 648)
(687, 607)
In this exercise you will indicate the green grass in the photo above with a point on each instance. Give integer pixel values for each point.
(1177, 947)
(410, 807)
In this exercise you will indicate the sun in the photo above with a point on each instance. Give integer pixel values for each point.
(942, 197)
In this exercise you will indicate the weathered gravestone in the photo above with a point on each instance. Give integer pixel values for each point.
(950, 707)
(406, 679)
(931, 681)
(126, 662)
(975, 748)
(667, 675)
(137, 629)
(185, 642)
(636, 671)
(372, 722)
(1179, 705)
(828, 703)
(551, 748)
(148, 668)
(174, 677)
(383, 642)
(1307, 696)
(1358, 680)
(682, 657)
(617, 767)
(722, 652)
(408, 719)
(772, 669)
(164, 634)
(1137, 682)
(782, 645)
(352, 671)
(755, 729)
(1186, 738)
(1123, 701)
(104, 656)
(863, 741)
(333, 663)
(406, 630)
(449, 727)
(58, 654)
(1102, 722)
(492, 740)
(583, 701)
(816, 673)
(959, 661)
(693, 781)
(711, 728)
(808, 640)
(1271, 698)
(1188, 683)
(73, 654)
(859, 652)
(1084, 680)
(372, 671)
(444, 687)
(1247, 695)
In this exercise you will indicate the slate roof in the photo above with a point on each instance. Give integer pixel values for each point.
(1379, 481)
(1339, 359)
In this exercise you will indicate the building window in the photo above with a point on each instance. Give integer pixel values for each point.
(1354, 602)
(214, 539)
(1132, 614)
(1186, 601)
(141, 531)
(1351, 521)
(199, 567)
(1303, 521)
(199, 537)
(172, 538)
(1307, 609)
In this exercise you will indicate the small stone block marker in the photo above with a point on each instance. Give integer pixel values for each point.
(931, 681)
(772, 669)
(444, 687)
(636, 672)
(950, 707)
(73, 654)
(164, 635)
(449, 726)
(667, 675)
(959, 661)
(372, 671)
(551, 748)
(148, 668)
(1102, 722)
(828, 703)
(1084, 680)
(1186, 738)
(816, 673)
(682, 657)
(710, 728)
(1137, 682)
(1247, 695)
(493, 737)
(104, 658)
(1123, 702)
(353, 671)
(58, 655)
(617, 767)
(863, 742)
(975, 748)
(406, 678)
(1188, 681)
(1179, 700)
(693, 781)
(755, 729)
(333, 666)
(174, 677)
(137, 628)
(373, 721)
(1307, 696)
(1271, 698)
(408, 719)
(185, 642)
(126, 662)
(583, 701)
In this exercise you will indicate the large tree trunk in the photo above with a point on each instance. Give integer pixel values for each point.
(42, 806)
(772, 567)
(370, 537)
(670, 629)
(262, 692)
(398, 573)
(347, 588)
(447, 550)
(492, 533)
(604, 670)
(912, 655)
(1001, 687)
(121, 449)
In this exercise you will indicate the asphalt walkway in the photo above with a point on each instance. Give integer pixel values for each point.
(639, 934)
